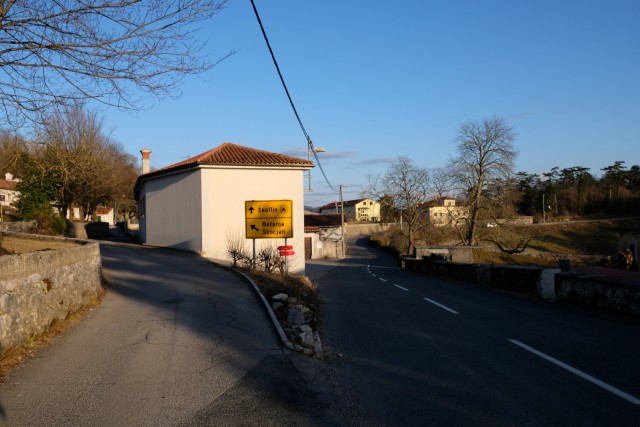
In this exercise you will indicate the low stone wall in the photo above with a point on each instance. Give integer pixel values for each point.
(450, 253)
(611, 293)
(18, 226)
(37, 288)
(510, 278)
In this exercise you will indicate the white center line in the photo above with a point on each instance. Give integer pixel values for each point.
(440, 305)
(384, 280)
(578, 372)
(398, 286)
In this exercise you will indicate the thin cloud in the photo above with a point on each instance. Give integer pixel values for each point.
(375, 161)
(328, 154)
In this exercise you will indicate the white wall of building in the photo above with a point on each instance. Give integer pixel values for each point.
(224, 192)
(9, 197)
(172, 211)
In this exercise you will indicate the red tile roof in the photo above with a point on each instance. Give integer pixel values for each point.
(232, 154)
(229, 154)
(7, 185)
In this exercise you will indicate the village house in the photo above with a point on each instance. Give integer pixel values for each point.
(205, 203)
(355, 210)
(443, 211)
(8, 193)
(106, 214)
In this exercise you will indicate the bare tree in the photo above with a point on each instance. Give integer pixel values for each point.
(485, 155)
(235, 244)
(12, 146)
(440, 180)
(512, 238)
(58, 52)
(403, 188)
(88, 169)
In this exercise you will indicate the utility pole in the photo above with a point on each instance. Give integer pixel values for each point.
(309, 150)
(342, 221)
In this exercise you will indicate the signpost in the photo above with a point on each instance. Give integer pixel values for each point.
(269, 219)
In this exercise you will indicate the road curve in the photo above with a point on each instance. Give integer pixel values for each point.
(177, 340)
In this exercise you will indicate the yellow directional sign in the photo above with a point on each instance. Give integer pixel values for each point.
(267, 209)
(268, 219)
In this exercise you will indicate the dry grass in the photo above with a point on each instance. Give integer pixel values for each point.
(482, 256)
(18, 245)
(576, 240)
(587, 238)
(299, 287)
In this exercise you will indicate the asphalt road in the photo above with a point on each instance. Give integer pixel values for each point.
(180, 341)
(406, 349)
(176, 341)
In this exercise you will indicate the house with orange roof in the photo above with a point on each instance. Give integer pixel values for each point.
(8, 192)
(200, 204)
(106, 214)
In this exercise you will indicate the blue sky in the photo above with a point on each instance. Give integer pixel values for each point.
(373, 80)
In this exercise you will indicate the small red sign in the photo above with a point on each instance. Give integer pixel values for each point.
(287, 253)
(285, 248)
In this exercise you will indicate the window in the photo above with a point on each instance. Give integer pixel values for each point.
(2, 196)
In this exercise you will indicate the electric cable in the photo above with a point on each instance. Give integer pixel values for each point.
(295, 111)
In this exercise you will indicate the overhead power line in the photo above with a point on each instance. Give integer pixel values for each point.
(295, 111)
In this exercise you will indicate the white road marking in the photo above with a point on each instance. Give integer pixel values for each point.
(440, 305)
(398, 286)
(384, 280)
(578, 372)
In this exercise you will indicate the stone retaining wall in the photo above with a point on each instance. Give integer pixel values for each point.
(611, 293)
(37, 288)
(511, 278)
(18, 226)
(522, 279)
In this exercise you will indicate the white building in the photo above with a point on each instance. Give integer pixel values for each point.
(106, 214)
(199, 204)
(8, 193)
(442, 212)
(358, 210)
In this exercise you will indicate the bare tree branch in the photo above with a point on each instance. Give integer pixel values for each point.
(57, 52)
(403, 188)
(485, 155)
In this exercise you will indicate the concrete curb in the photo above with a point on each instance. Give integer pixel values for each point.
(317, 351)
(272, 315)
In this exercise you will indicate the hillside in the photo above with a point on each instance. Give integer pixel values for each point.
(584, 242)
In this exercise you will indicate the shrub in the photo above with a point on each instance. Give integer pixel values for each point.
(49, 224)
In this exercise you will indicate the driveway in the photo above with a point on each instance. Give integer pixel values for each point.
(177, 340)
